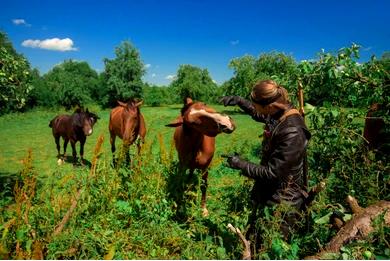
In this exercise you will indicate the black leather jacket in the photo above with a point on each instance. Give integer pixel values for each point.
(280, 175)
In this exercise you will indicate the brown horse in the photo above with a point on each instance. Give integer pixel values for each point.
(73, 128)
(127, 122)
(194, 138)
(373, 128)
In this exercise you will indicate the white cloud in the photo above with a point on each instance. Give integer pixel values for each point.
(235, 42)
(154, 75)
(54, 44)
(147, 66)
(170, 77)
(20, 22)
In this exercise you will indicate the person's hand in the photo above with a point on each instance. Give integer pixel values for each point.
(233, 161)
(229, 100)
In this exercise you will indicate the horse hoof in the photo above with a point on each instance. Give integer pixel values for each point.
(60, 161)
(205, 212)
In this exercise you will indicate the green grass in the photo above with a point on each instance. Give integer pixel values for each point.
(132, 206)
(134, 213)
(21, 131)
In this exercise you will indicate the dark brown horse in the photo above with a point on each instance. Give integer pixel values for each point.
(374, 128)
(73, 128)
(194, 138)
(127, 122)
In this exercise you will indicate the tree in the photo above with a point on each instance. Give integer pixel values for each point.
(6, 43)
(248, 70)
(15, 78)
(194, 82)
(40, 95)
(123, 74)
(156, 95)
(339, 79)
(69, 84)
(244, 76)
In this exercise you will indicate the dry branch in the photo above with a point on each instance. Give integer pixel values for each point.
(246, 254)
(73, 206)
(359, 227)
(68, 214)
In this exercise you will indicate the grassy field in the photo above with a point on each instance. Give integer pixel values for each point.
(120, 213)
(152, 211)
(19, 132)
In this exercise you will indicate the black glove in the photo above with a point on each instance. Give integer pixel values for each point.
(234, 161)
(230, 100)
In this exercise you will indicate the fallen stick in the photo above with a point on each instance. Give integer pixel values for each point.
(359, 227)
(246, 255)
(68, 214)
(73, 206)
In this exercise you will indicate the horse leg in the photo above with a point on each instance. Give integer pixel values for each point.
(112, 142)
(65, 145)
(203, 188)
(126, 150)
(140, 142)
(57, 140)
(82, 142)
(74, 153)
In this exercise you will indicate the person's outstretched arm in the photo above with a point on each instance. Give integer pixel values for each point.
(244, 104)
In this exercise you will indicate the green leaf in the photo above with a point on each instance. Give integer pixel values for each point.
(323, 220)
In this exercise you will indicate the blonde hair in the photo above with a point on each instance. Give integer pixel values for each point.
(267, 91)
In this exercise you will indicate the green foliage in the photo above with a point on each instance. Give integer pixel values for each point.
(157, 96)
(134, 213)
(340, 157)
(340, 80)
(6, 43)
(244, 76)
(123, 75)
(248, 70)
(193, 82)
(68, 84)
(15, 78)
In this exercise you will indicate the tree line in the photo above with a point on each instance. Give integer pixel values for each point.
(335, 79)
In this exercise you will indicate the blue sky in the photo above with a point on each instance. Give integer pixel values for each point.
(203, 33)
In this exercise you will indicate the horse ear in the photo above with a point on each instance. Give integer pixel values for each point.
(176, 123)
(87, 111)
(139, 103)
(188, 100)
(122, 104)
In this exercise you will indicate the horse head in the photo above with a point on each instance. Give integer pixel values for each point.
(206, 120)
(84, 120)
(131, 117)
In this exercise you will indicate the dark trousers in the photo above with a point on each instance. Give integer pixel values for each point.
(290, 221)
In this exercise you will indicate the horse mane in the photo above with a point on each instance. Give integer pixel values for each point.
(185, 107)
(79, 110)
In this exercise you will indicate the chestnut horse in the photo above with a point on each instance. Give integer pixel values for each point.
(73, 128)
(194, 138)
(127, 122)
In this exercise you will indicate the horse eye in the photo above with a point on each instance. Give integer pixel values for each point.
(92, 119)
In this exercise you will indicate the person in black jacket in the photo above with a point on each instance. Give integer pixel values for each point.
(279, 178)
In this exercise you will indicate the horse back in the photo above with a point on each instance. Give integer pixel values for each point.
(61, 125)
